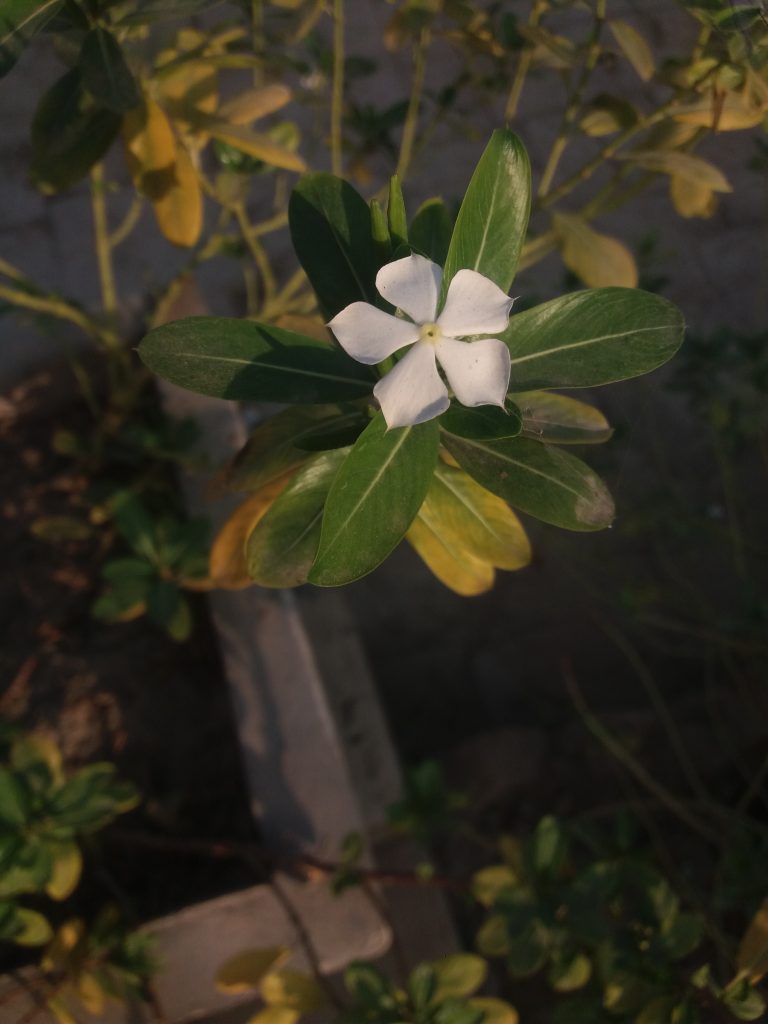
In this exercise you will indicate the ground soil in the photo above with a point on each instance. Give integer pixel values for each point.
(124, 693)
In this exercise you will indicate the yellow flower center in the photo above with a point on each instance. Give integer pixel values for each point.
(430, 333)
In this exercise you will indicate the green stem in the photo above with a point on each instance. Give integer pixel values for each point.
(101, 234)
(414, 103)
(257, 251)
(337, 93)
(128, 223)
(524, 64)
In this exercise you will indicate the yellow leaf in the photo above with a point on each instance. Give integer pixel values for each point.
(493, 937)
(249, 106)
(35, 929)
(752, 956)
(90, 993)
(60, 1011)
(723, 113)
(470, 519)
(58, 955)
(691, 199)
(192, 85)
(488, 883)
(293, 989)
(227, 564)
(67, 868)
(34, 748)
(245, 971)
(561, 419)
(275, 1015)
(496, 1011)
(178, 203)
(683, 165)
(634, 47)
(457, 570)
(253, 143)
(458, 976)
(599, 260)
(149, 143)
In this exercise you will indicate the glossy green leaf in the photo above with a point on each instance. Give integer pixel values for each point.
(397, 220)
(240, 359)
(69, 134)
(284, 442)
(20, 20)
(374, 499)
(559, 419)
(430, 231)
(282, 548)
(538, 479)
(482, 422)
(490, 229)
(331, 232)
(592, 337)
(105, 73)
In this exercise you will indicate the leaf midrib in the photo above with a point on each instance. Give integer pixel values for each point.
(543, 353)
(525, 466)
(298, 371)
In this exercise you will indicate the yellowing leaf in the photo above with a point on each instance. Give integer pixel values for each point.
(608, 114)
(67, 868)
(724, 113)
(253, 143)
(490, 882)
(249, 106)
(58, 954)
(60, 1011)
(683, 165)
(496, 1011)
(34, 748)
(245, 971)
(599, 260)
(691, 199)
(190, 86)
(275, 1015)
(458, 976)
(149, 142)
(752, 956)
(178, 203)
(227, 564)
(35, 929)
(456, 569)
(560, 419)
(90, 993)
(293, 989)
(634, 47)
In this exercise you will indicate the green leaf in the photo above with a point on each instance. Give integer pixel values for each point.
(430, 232)
(105, 73)
(128, 569)
(283, 442)
(331, 232)
(69, 134)
(458, 975)
(538, 479)
(558, 419)
(485, 422)
(13, 801)
(592, 337)
(34, 929)
(167, 608)
(634, 47)
(374, 499)
(20, 20)
(422, 987)
(243, 360)
(495, 1011)
(681, 936)
(369, 987)
(571, 973)
(282, 547)
(490, 229)
(380, 233)
(455, 1012)
(397, 220)
(744, 1002)
(549, 846)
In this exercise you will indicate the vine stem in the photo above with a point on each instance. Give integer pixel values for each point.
(101, 235)
(337, 90)
(524, 64)
(414, 103)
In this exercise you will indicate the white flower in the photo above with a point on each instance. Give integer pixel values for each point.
(413, 391)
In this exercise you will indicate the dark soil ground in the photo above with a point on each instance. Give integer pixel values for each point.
(124, 693)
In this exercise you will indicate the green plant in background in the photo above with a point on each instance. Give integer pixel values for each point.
(452, 469)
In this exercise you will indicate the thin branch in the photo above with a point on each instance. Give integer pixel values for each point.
(337, 88)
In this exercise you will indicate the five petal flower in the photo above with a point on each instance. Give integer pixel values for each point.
(413, 391)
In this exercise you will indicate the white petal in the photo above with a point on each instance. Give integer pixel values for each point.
(413, 285)
(413, 391)
(478, 371)
(474, 305)
(369, 334)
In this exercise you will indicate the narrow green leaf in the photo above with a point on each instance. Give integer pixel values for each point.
(20, 20)
(282, 547)
(483, 422)
(538, 479)
(592, 337)
(374, 499)
(430, 231)
(397, 219)
(380, 233)
(558, 419)
(331, 232)
(105, 73)
(69, 134)
(240, 359)
(490, 229)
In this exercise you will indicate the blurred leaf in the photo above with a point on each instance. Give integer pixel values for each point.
(397, 220)
(167, 608)
(570, 974)
(559, 419)
(105, 73)
(691, 199)
(293, 989)
(430, 230)
(454, 567)
(252, 104)
(752, 956)
(67, 868)
(634, 47)
(35, 930)
(744, 1002)
(60, 529)
(721, 113)
(275, 1015)
(458, 976)
(177, 201)
(228, 564)
(13, 800)
(422, 987)
(245, 971)
(495, 1011)
(256, 144)
(549, 846)
(488, 883)
(150, 146)
(20, 20)
(493, 937)
(598, 260)
(608, 114)
(681, 165)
